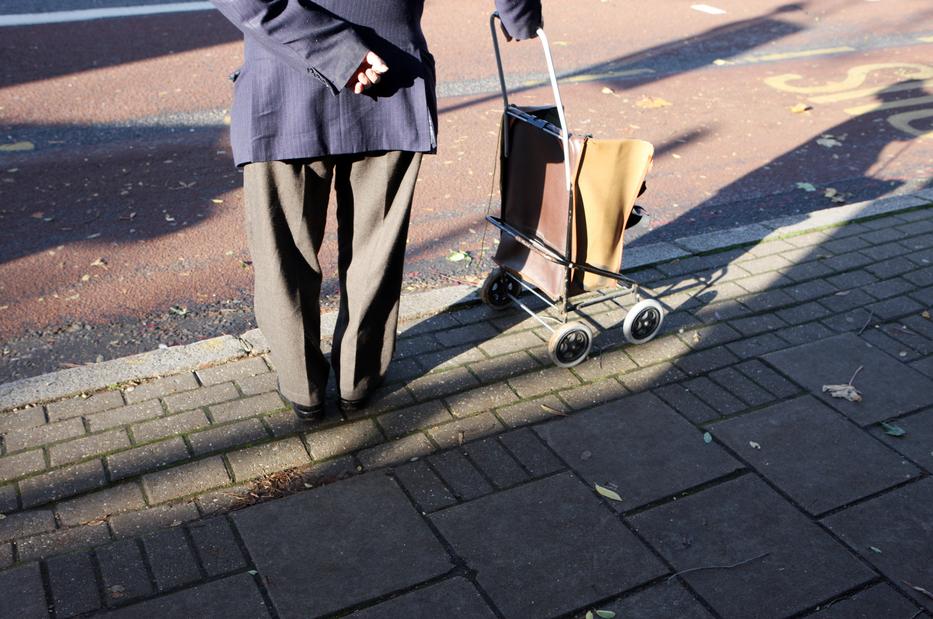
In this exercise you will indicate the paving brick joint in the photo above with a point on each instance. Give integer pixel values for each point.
(706, 473)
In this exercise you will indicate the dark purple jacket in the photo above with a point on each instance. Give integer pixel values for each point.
(289, 99)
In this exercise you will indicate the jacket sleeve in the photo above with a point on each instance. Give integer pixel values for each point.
(302, 34)
(521, 18)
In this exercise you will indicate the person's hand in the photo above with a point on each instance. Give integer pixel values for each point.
(508, 37)
(369, 73)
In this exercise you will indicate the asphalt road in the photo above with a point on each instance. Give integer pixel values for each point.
(120, 209)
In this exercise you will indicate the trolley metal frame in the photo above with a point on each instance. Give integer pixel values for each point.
(565, 260)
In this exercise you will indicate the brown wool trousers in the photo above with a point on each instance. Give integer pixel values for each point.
(286, 207)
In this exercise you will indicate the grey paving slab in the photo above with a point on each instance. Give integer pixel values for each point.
(23, 596)
(528, 449)
(878, 601)
(21, 464)
(425, 487)
(308, 546)
(889, 388)
(456, 597)
(495, 461)
(146, 520)
(686, 403)
(898, 525)
(234, 597)
(24, 524)
(464, 480)
(668, 600)
(546, 547)
(171, 559)
(73, 584)
(113, 500)
(813, 454)
(792, 563)
(123, 572)
(640, 446)
(61, 541)
(186, 479)
(62, 483)
(216, 546)
(917, 443)
(147, 458)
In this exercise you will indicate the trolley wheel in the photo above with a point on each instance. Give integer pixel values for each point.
(643, 321)
(497, 288)
(570, 344)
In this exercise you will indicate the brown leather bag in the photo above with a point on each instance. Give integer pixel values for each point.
(585, 227)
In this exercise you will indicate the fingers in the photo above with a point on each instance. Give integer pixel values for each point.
(369, 73)
(378, 64)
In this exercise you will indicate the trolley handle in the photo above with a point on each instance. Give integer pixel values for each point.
(564, 133)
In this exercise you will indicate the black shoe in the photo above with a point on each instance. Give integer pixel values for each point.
(352, 406)
(308, 413)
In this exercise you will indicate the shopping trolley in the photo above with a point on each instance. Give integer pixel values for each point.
(566, 202)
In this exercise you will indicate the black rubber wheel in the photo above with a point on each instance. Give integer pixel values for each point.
(497, 288)
(570, 344)
(643, 321)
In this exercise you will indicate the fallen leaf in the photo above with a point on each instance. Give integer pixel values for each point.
(707, 437)
(217, 201)
(829, 192)
(845, 392)
(605, 614)
(252, 572)
(17, 147)
(589, 614)
(553, 411)
(892, 429)
(874, 549)
(720, 62)
(606, 492)
(921, 590)
(85, 277)
(116, 591)
(806, 186)
(754, 445)
(178, 309)
(458, 256)
(800, 108)
(829, 142)
(100, 262)
(607, 91)
(650, 103)
(925, 314)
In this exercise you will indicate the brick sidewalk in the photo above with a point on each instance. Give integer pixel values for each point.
(469, 487)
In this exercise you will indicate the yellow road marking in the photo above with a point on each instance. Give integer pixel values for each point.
(855, 77)
(888, 105)
(902, 121)
(868, 92)
(803, 54)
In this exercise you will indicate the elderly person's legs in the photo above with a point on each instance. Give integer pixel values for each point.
(286, 206)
